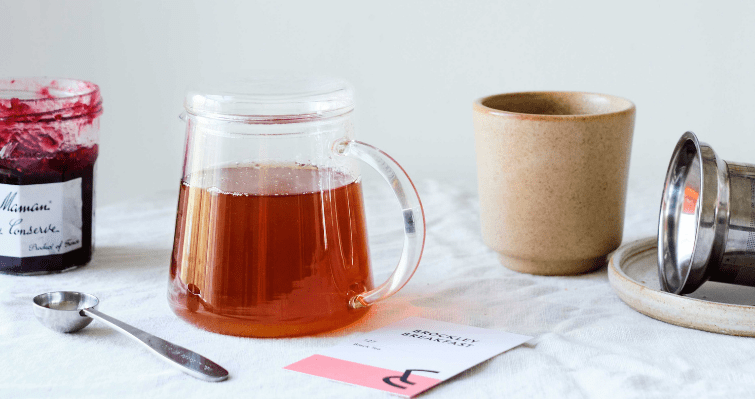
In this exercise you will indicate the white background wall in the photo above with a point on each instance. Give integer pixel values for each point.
(417, 67)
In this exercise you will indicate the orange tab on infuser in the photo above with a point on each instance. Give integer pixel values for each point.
(690, 200)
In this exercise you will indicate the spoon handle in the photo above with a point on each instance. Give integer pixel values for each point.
(185, 360)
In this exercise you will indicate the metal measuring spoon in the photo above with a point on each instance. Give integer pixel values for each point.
(69, 311)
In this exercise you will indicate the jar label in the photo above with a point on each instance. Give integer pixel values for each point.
(40, 219)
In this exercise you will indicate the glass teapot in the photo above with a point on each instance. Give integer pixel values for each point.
(270, 234)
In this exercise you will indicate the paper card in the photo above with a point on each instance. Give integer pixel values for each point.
(408, 357)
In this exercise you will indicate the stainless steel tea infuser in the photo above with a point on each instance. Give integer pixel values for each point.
(68, 311)
(706, 229)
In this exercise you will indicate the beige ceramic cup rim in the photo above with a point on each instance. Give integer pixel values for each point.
(586, 105)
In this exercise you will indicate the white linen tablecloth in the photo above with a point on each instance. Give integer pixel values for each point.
(588, 343)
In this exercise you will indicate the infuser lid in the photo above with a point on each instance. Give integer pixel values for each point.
(272, 99)
(693, 210)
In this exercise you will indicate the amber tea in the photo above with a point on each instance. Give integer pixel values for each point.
(267, 251)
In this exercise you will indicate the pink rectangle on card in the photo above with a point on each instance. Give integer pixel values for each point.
(406, 382)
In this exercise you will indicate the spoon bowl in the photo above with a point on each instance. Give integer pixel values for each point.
(62, 311)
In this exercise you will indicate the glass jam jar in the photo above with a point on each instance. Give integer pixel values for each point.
(49, 131)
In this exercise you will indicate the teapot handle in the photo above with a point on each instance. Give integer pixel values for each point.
(414, 218)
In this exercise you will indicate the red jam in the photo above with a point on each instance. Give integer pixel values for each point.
(49, 131)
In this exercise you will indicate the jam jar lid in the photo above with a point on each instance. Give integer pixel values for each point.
(273, 99)
(39, 99)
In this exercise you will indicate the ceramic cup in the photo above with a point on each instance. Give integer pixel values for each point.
(552, 170)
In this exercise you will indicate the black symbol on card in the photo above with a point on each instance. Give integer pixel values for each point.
(404, 378)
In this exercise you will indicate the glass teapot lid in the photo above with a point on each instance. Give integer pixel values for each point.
(273, 99)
